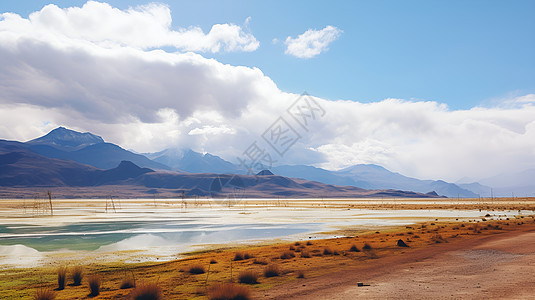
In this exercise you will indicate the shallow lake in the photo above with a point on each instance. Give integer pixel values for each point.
(144, 230)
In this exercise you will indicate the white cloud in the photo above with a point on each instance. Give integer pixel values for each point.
(148, 100)
(312, 42)
(143, 27)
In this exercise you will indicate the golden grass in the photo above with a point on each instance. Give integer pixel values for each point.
(147, 291)
(272, 270)
(62, 275)
(229, 291)
(44, 294)
(77, 275)
(248, 277)
(94, 282)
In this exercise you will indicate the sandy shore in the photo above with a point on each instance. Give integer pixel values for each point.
(499, 266)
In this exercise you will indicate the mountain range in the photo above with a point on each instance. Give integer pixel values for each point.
(65, 157)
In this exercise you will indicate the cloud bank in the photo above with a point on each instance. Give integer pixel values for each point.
(142, 27)
(148, 100)
(312, 42)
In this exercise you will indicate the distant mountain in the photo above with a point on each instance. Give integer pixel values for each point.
(194, 162)
(506, 185)
(87, 148)
(381, 178)
(370, 176)
(67, 140)
(22, 167)
(251, 186)
(317, 174)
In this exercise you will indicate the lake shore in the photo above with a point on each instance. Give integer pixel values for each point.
(322, 263)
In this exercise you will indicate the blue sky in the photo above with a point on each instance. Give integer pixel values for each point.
(462, 53)
(434, 89)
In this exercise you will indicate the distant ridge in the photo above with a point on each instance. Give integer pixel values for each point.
(66, 139)
(87, 148)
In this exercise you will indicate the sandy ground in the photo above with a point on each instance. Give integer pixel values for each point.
(500, 266)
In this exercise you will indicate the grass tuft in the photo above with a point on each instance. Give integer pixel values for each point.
(44, 294)
(127, 283)
(248, 277)
(287, 255)
(327, 251)
(94, 285)
(305, 253)
(213, 261)
(271, 271)
(147, 291)
(77, 275)
(196, 269)
(62, 275)
(229, 291)
(260, 261)
(367, 247)
(300, 274)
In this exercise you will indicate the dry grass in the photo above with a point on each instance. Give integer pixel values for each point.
(327, 251)
(260, 261)
(213, 261)
(366, 247)
(300, 274)
(94, 285)
(287, 255)
(127, 283)
(44, 294)
(305, 253)
(229, 291)
(248, 277)
(147, 291)
(292, 248)
(62, 275)
(272, 271)
(196, 269)
(77, 275)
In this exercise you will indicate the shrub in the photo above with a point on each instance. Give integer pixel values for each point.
(367, 247)
(77, 275)
(271, 271)
(228, 291)
(147, 291)
(248, 277)
(305, 253)
(300, 274)
(354, 248)
(260, 261)
(196, 269)
(94, 285)
(292, 248)
(309, 243)
(335, 252)
(238, 256)
(44, 294)
(127, 283)
(62, 274)
(213, 261)
(297, 243)
(327, 251)
(287, 255)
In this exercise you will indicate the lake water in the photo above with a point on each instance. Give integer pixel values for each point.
(145, 230)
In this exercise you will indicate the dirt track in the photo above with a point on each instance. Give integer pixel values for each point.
(500, 266)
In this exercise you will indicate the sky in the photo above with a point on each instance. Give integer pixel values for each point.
(430, 89)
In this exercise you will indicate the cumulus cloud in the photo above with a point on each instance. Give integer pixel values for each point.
(143, 27)
(312, 42)
(148, 100)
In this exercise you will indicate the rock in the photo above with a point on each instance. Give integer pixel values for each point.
(401, 243)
